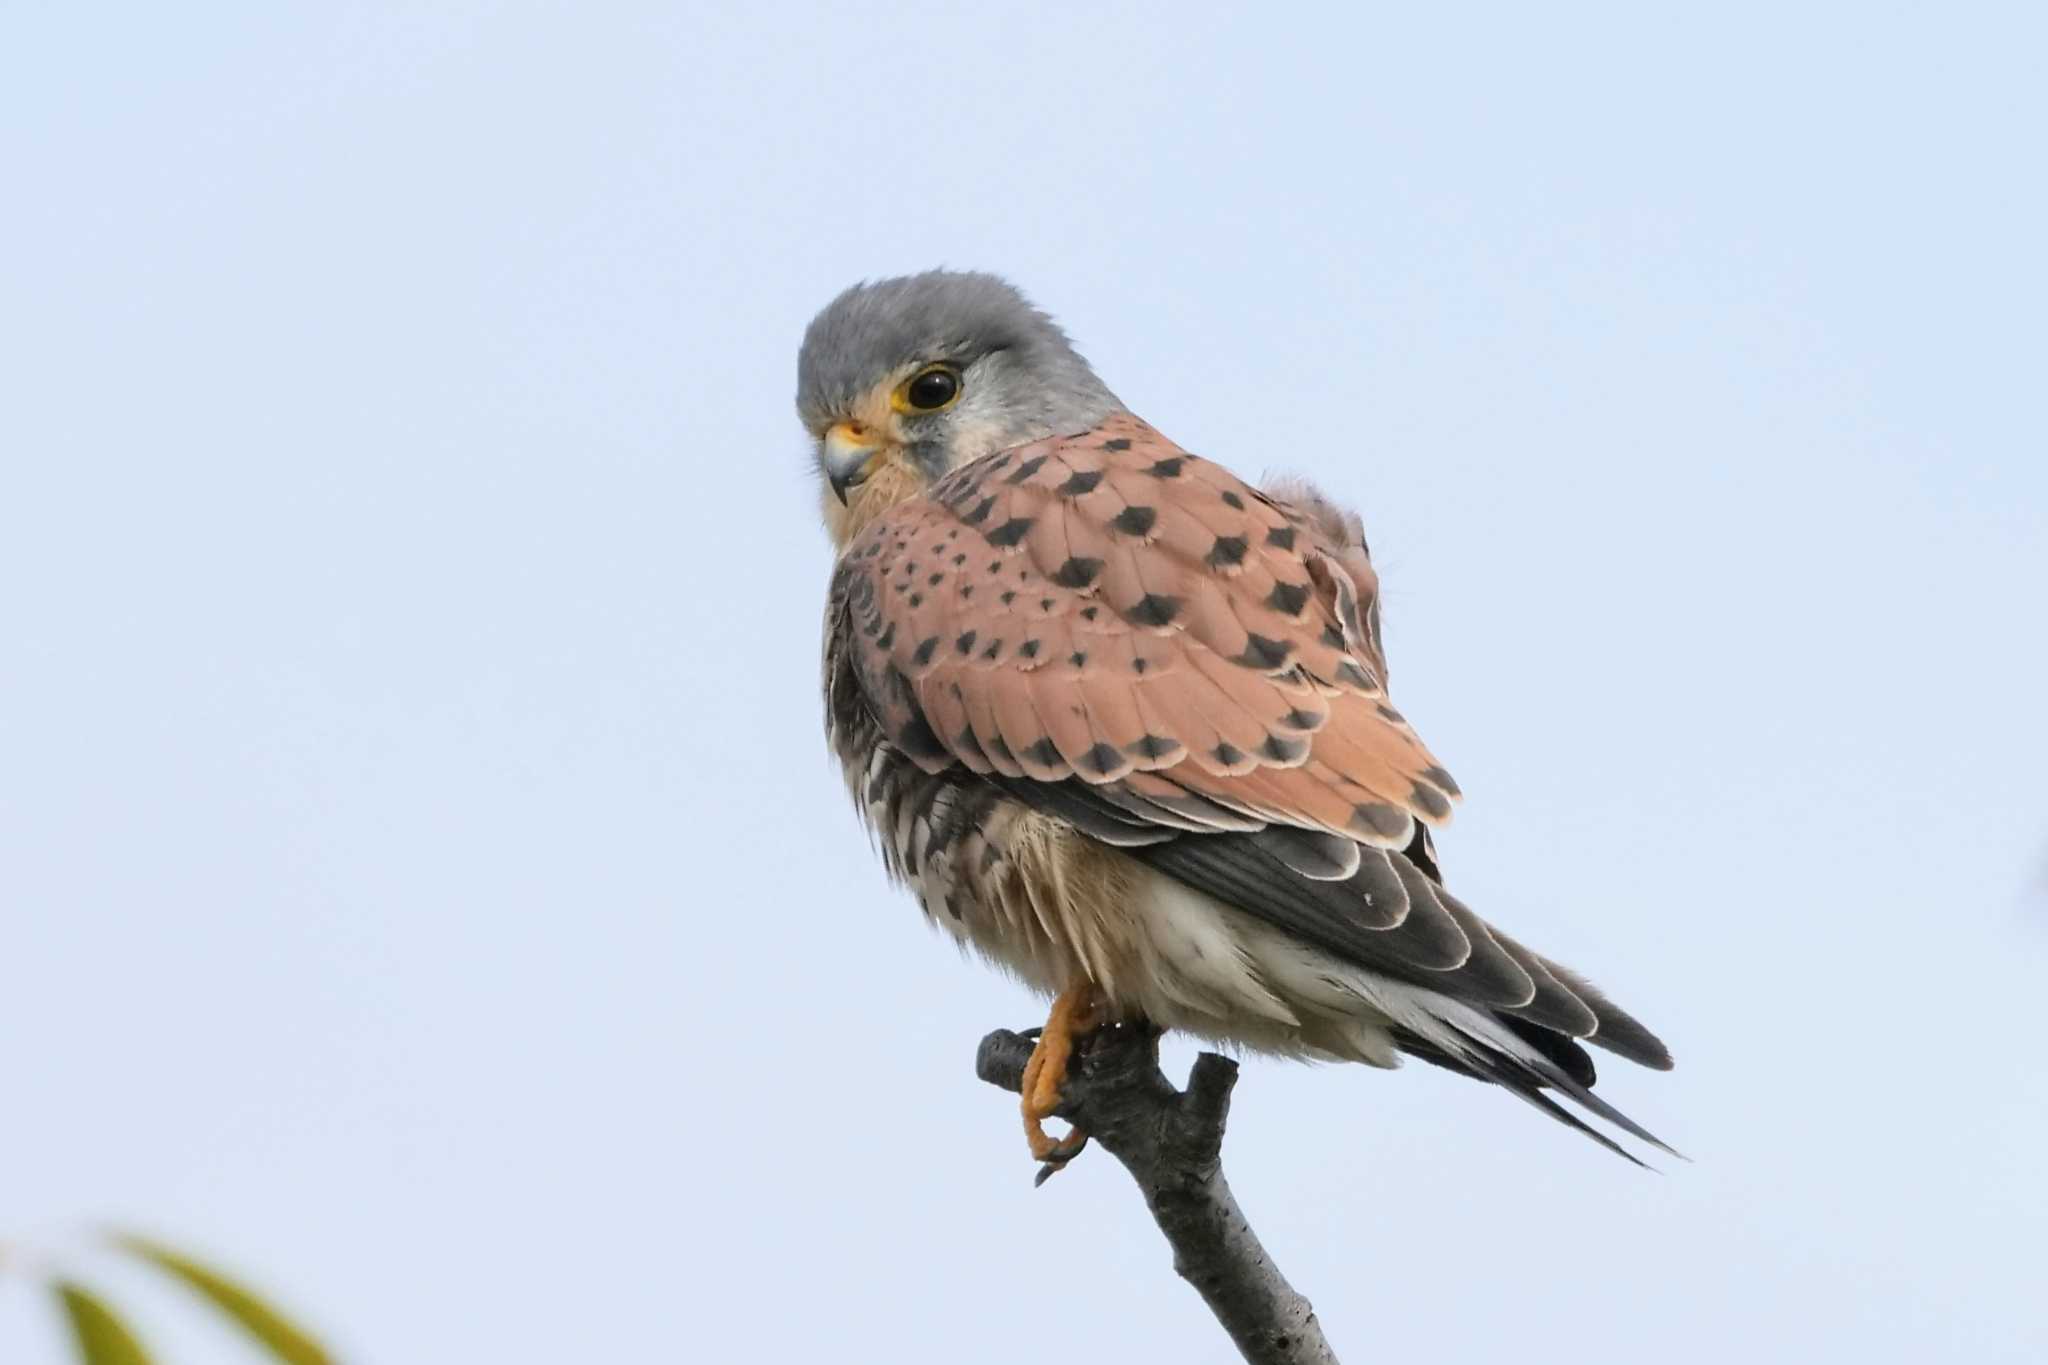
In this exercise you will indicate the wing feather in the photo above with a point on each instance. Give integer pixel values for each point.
(1179, 664)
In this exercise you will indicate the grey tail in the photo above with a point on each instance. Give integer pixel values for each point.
(1555, 1063)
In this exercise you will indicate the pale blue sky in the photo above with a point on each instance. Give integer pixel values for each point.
(416, 838)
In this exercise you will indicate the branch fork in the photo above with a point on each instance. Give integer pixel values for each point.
(1171, 1141)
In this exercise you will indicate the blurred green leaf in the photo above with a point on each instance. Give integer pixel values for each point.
(287, 1342)
(102, 1338)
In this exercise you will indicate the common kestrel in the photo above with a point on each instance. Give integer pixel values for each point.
(1120, 720)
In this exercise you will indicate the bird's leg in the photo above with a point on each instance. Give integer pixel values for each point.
(1076, 1013)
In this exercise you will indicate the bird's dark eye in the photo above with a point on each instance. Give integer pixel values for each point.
(932, 388)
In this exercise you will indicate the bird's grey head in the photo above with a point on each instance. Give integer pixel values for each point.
(901, 380)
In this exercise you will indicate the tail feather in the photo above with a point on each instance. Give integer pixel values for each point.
(1489, 1048)
(1531, 1095)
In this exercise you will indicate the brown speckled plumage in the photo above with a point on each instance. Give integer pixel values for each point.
(1118, 716)
(1055, 645)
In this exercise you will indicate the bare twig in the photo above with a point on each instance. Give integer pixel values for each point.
(1171, 1142)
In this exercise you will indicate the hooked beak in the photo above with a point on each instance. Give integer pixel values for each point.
(850, 456)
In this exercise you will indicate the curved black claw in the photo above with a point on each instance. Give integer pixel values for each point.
(1070, 1146)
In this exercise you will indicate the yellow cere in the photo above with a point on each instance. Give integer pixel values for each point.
(849, 436)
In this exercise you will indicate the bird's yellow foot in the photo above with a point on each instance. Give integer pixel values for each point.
(1076, 1013)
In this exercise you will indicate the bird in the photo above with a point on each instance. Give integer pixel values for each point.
(1120, 721)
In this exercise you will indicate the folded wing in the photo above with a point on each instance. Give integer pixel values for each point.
(1132, 638)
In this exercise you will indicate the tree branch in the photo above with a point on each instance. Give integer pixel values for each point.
(1172, 1142)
